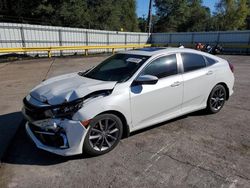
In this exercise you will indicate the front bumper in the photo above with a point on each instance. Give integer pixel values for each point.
(70, 133)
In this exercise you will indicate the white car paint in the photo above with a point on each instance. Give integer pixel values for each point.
(67, 88)
(141, 106)
(146, 110)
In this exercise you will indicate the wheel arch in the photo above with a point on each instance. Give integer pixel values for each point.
(126, 129)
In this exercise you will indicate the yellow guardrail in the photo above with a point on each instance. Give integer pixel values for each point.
(63, 48)
(87, 48)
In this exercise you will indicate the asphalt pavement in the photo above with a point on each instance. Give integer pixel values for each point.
(195, 150)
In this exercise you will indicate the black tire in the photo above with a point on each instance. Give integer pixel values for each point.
(99, 139)
(216, 99)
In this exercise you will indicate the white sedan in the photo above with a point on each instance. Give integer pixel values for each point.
(91, 111)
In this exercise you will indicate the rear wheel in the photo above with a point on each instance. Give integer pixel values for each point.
(104, 133)
(216, 99)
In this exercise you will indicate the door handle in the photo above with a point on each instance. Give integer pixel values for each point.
(209, 72)
(175, 84)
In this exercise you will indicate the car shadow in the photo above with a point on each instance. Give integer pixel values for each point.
(23, 151)
(196, 113)
(8, 126)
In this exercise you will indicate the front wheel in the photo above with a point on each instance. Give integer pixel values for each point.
(216, 99)
(104, 133)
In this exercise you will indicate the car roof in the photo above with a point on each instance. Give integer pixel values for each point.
(160, 50)
(154, 51)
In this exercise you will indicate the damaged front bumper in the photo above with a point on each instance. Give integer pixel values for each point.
(57, 135)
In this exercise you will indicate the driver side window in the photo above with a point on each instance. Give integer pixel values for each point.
(162, 67)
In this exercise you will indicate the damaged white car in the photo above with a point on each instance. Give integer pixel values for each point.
(90, 111)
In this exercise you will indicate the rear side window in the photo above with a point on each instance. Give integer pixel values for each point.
(210, 61)
(192, 62)
(162, 67)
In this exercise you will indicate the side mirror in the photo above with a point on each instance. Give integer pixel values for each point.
(146, 80)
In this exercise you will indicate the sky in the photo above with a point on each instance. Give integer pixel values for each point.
(142, 6)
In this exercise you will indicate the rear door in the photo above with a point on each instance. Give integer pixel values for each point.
(197, 78)
(151, 104)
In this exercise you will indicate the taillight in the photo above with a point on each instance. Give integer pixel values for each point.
(231, 67)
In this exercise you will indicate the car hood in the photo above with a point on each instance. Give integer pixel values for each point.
(68, 87)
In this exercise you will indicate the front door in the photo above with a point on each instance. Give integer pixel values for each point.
(151, 104)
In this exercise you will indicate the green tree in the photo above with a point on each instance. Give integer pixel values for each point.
(142, 24)
(128, 17)
(73, 13)
(97, 14)
(173, 14)
(248, 16)
(198, 18)
(114, 15)
(231, 14)
(190, 15)
(182, 15)
(46, 10)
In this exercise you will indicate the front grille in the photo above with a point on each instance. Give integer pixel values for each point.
(55, 140)
(34, 112)
(35, 128)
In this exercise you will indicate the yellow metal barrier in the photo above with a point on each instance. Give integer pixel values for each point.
(63, 48)
(87, 48)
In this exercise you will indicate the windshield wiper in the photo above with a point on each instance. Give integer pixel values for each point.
(81, 73)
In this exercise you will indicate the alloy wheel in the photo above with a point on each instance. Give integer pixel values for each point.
(104, 134)
(218, 98)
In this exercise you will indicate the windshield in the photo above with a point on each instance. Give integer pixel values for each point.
(119, 67)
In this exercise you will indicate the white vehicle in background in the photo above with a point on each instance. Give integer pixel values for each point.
(91, 111)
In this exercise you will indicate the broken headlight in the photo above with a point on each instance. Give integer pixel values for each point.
(70, 108)
(65, 110)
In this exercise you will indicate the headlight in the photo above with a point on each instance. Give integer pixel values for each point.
(68, 109)
(65, 110)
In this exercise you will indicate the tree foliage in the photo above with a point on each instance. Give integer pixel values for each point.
(97, 14)
(190, 15)
(181, 15)
(142, 24)
(171, 15)
(232, 14)
(198, 17)
(248, 16)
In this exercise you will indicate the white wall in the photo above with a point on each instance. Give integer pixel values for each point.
(26, 35)
(222, 37)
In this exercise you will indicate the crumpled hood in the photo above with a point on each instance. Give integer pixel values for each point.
(68, 87)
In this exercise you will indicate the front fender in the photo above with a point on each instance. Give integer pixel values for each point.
(101, 104)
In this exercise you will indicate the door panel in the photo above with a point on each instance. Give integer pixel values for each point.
(151, 104)
(197, 80)
(196, 87)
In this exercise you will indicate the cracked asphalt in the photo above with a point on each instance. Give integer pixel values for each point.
(196, 150)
